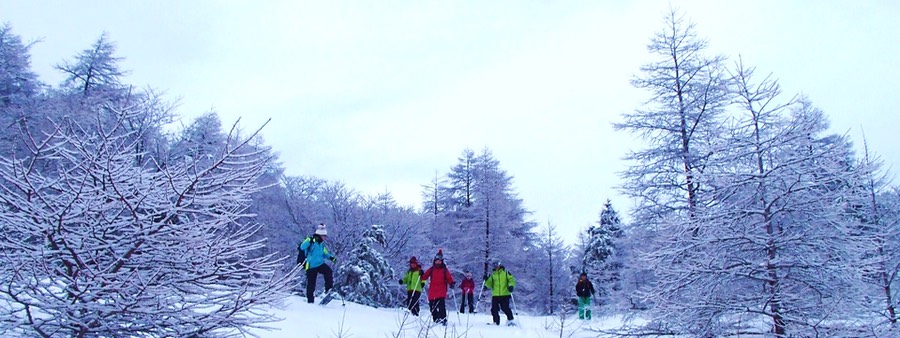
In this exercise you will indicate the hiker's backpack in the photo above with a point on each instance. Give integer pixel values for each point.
(301, 254)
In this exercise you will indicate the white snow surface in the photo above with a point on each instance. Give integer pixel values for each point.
(301, 319)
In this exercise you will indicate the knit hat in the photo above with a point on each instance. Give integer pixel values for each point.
(440, 255)
(583, 274)
(320, 230)
(413, 260)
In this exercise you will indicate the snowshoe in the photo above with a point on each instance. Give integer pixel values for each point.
(328, 297)
(511, 323)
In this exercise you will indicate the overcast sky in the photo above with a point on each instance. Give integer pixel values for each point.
(383, 95)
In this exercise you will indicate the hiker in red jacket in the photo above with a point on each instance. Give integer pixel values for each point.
(441, 279)
(468, 293)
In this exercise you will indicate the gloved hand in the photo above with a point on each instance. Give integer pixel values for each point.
(401, 282)
(452, 284)
(510, 288)
(333, 259)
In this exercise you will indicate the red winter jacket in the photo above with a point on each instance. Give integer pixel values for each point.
(467, 286)
(440, 279)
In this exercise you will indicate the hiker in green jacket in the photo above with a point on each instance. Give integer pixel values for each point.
(501, 284)
(413, 282)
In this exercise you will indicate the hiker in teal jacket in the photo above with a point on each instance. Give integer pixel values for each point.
(316, 254)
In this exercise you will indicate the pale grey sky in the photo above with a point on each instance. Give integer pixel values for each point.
(384, 94)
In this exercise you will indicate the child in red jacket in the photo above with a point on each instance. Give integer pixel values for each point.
(468, 293)
(441, 278)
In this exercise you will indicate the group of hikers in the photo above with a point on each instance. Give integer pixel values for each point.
(439, 281)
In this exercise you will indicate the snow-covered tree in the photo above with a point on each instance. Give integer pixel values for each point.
(404, 229)
(457, 219)
(95, 71)
(602, 260)
(679, 124)
(93, 88)
(773, 228)
(364, 275)
(482, 218)
(878, 212)
(99, 246)
(18, 85)
(17, 80)
(552, 282)
(200, 141)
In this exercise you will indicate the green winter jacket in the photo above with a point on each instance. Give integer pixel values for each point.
(412, 280)
(499, 282)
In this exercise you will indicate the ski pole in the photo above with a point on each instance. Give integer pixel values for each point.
(515, 309)
(410, 294)
(455, 305)
(334, 287)
(479, 297)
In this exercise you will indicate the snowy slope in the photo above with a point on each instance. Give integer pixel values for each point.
(354, 320)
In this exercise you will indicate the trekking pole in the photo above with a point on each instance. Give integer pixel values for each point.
(411, 294)
(479, 297)
(455, 305)
(515, 309)
(334, 287)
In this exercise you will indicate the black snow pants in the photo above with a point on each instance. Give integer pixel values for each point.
(500, 303)
(312, 274)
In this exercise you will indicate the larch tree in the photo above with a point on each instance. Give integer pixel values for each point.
(878, 212)
(18, 86)
(93, 88)
(17, 80)
(458, 221)
(95, 71)
(482, 219)
(780, 211)
(773, 244)
(500, 215)
(679, 125)
(553, 282)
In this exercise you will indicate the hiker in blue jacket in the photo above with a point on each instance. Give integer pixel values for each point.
(316, 254)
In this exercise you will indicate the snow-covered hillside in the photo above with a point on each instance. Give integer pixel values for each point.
(354, 320)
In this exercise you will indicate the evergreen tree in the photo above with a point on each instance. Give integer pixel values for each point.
(602, 260)
(18, 86)
(365, 276)
(17, 81)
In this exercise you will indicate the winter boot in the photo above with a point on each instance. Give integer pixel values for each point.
(511, 322)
